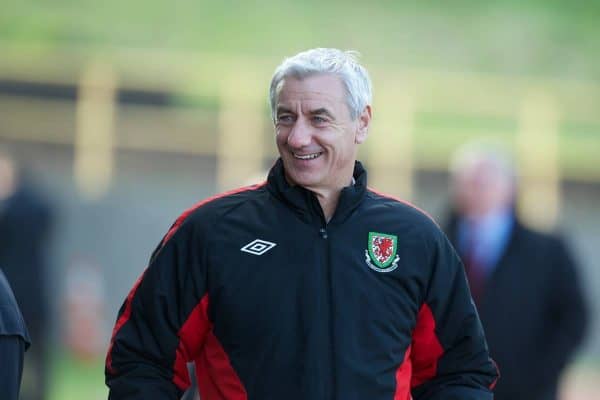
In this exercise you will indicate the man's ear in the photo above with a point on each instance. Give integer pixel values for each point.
(364, 120)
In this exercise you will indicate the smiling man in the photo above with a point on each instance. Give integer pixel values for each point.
(317, 135)
(310, 286)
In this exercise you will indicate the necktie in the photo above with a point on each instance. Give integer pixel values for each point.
(474, 266)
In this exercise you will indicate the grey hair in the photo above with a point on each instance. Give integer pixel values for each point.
(495, 154)
(343, 64)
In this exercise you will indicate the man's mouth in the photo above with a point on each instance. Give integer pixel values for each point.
(311, 156)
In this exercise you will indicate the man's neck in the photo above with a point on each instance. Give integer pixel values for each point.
(329, 198)
(328, 202)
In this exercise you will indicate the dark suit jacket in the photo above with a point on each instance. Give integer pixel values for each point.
(14, 340)
(25, 220)
(533, 313)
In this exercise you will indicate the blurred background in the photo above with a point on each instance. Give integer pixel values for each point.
(117, 116)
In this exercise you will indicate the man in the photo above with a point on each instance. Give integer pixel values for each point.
(309, 286)
(14, 340)
(25, 225)
(524, 282)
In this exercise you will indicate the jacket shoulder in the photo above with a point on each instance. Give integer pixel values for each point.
(212, 208)
(404, 210)
(540, 239)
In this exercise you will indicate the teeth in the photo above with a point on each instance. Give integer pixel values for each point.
(307, 156)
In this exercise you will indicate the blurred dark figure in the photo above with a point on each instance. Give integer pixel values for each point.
(524, 282)
(24, 226)
(14, 340)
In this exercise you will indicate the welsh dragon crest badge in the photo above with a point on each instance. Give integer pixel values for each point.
(381, 252)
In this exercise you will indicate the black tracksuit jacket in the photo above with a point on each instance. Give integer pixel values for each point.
(272, 302)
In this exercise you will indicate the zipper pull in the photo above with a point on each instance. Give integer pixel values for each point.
(323, 233)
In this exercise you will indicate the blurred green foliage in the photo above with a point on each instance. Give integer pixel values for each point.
(75, 379)
(551, 37)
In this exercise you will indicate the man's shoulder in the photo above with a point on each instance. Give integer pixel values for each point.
(215, 206)
(401, 209)
(530, 235)
(553, 244)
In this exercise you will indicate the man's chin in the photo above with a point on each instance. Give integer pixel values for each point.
(303, 180)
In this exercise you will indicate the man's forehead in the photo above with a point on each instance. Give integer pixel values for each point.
(328, 88)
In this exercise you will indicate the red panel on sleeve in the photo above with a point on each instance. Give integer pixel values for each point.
(191, 338)
(426, 348)
(403, 378)
(217, 380)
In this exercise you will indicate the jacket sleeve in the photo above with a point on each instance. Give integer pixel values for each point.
(12, 349)
(163, 322)
(449, 355)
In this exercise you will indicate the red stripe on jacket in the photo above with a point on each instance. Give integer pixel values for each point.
(403, 377)
(121, 321)
(191, 339)
(426, 348)
(217, 380)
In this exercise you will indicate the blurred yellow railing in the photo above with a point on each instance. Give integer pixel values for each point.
(553, 125)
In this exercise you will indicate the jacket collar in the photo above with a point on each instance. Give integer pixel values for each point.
(305, 203)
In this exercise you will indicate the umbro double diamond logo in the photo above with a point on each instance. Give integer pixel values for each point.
(258, 247)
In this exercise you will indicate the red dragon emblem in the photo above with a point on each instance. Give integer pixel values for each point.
(381, 252)
(382, 248)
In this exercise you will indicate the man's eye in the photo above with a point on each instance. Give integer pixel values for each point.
(285, 119)
(318, 120)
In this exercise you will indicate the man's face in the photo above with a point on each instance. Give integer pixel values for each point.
(480, 188)
(316, 137)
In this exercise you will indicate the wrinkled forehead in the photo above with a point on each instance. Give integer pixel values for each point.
(325, 90)
(326, 85)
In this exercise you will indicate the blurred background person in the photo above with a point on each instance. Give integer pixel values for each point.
(14, 340)
(525, 283)
(25, 219)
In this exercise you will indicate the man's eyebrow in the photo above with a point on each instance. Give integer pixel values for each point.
(322, 111)
(282, 110)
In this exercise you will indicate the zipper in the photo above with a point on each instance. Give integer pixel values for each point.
(331, 388)
(323, 233)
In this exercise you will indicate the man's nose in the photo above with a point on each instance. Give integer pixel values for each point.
(300, 135)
